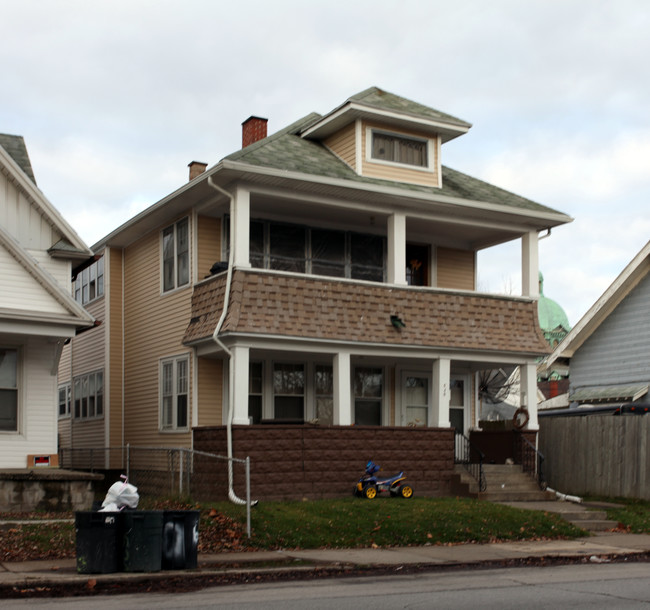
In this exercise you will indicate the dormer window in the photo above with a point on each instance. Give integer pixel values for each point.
(394, 148)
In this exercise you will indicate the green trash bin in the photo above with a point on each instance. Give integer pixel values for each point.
(99, 542)
(180, 539)
(142, 540)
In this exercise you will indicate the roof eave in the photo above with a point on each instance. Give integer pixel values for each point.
(350, 111)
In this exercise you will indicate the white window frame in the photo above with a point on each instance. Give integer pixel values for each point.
(17, 388)
(430, 148)
(66, 389)
(175, 257)
(80, 387)
(385, 391)
(172, 389)
(90, 279)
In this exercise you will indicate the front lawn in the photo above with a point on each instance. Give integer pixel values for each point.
(394, 522)
(340, 523)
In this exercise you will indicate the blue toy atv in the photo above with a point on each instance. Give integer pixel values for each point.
(370, 484)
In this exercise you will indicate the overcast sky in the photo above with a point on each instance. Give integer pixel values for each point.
(115, 98)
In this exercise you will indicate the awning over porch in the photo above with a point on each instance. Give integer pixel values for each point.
(611, 393)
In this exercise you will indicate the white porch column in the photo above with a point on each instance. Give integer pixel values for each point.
(528, 389)
(396, 255)
(240, 228)
(239, 378)
(342, 415)
(441, 393)
(530, 265)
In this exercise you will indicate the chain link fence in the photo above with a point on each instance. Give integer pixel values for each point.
(160, 471)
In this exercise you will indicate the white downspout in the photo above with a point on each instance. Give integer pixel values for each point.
(215, 337)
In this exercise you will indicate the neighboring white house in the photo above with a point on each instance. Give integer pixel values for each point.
(38, 314)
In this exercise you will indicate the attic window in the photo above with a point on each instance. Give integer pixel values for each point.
(399, 149)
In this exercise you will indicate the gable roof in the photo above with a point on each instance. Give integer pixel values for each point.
(74, 314)
(627, 280)
(15, 146)
(70, 246)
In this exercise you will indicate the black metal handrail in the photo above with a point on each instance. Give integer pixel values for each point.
(531, 460)
(471, 457)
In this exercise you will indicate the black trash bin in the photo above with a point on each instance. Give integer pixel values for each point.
(142, 540)
(180, 539)
(99, 542)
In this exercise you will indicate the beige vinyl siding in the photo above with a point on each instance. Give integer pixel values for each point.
(113, 372)
(456, 268)
(209, 244)
(343, 145)
(154, 328)
(88, 357)
(210, 392)
(396, 172)
(88, 349)
(65, 364)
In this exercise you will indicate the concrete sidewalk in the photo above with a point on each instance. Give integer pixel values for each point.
(597, 549)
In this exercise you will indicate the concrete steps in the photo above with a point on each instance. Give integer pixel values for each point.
(585, 516)
(508, 482)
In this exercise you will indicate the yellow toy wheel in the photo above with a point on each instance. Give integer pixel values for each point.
(370, 492)
(406, 491)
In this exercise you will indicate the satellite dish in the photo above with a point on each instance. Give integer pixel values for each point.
(494, 386)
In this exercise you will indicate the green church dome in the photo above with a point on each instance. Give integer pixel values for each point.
(552, 319)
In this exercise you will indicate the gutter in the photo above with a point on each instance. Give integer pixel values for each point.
(215, 337)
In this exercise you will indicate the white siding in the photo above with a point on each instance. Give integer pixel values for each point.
(23, 220)
(19, 290)
(37, 408)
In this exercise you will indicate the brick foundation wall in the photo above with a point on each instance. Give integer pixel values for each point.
(295, 462)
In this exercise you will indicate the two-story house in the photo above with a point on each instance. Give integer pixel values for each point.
(325, 275)
(38, 249)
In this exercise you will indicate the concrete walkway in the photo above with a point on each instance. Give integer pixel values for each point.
(596, 549)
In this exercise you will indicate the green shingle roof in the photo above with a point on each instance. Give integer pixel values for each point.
(383, 100)
(286, 150)
(15, 146)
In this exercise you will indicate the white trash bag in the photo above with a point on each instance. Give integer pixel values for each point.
(120, 495)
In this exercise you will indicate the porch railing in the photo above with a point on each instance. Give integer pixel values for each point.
(471, 457)
(531, 460)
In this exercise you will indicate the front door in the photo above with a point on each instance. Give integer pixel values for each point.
(416, 400)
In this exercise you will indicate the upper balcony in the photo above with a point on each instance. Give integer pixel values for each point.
(288, 306)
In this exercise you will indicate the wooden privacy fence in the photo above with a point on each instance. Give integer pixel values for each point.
(597, 454)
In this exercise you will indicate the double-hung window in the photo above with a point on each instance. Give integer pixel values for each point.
(289, 391)
(176, 255)
(399, 149)
(368, 396)
(174, 389)
(8, 390)
(300, 249)
(87, 396)
(89, 283)
(65, 400)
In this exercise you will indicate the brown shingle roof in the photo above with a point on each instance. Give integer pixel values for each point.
(306, 307)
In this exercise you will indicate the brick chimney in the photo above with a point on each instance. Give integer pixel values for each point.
(253, 129)
(196, 169)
